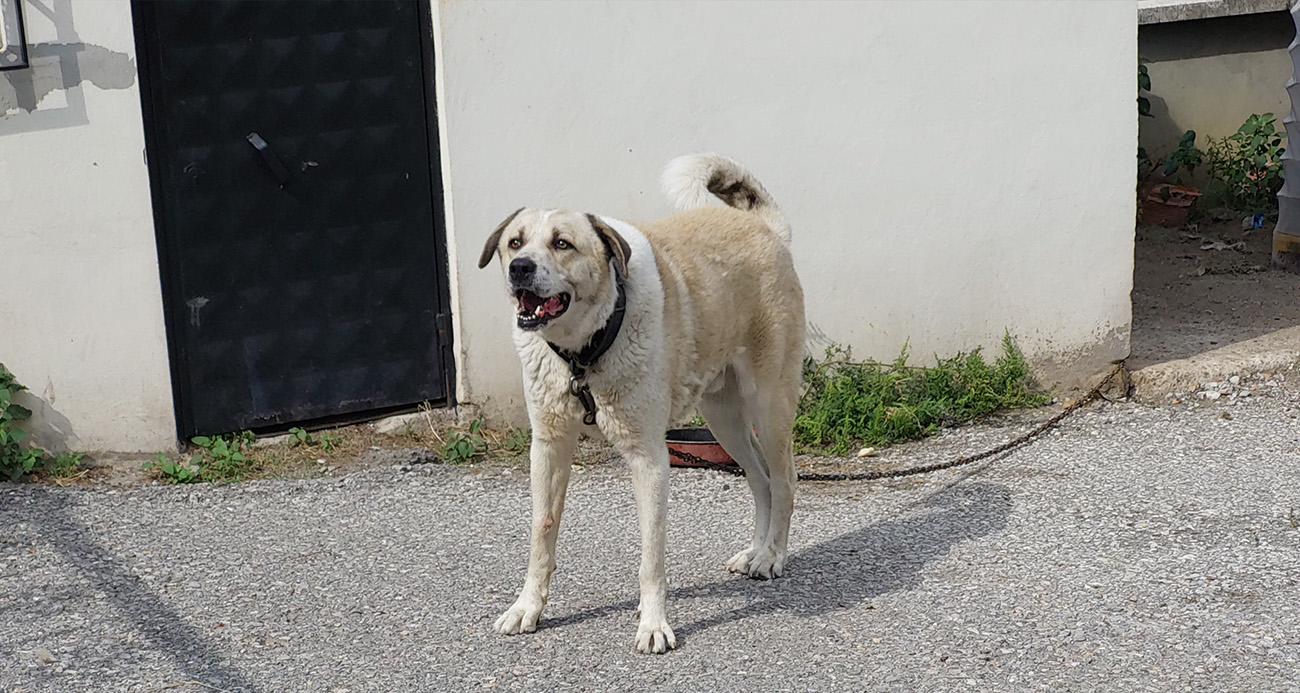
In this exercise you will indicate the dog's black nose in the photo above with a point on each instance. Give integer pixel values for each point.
(522, 269)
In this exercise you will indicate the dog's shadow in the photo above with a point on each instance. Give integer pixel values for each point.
(849, 569)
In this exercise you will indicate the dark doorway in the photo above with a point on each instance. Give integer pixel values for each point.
(294, 162)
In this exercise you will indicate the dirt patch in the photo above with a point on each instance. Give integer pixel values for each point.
(1205, 286)
(337, 452)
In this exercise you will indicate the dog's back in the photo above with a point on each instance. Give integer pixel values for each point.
(731, 295)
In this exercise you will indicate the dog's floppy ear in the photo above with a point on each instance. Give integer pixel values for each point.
(490, 248)
(615, 245)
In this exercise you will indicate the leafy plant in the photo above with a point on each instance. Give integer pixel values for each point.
(329, 441)
(1246, 166)
(846, 404)
(1145, 165)
(224, 456)
(300, 436)
(462, 447)
(16, 459)
(1185, 156)
(518, 440)
(1144, 84)
(65, 466)
(174, 470)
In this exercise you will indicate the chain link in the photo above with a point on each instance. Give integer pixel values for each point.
(697, 461)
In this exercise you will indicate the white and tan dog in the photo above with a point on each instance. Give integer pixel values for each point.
(712, 316)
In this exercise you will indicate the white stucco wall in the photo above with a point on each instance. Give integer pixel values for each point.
(81, 320)
(951, 169)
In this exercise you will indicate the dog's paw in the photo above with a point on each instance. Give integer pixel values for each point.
(655, 637)
(520, 618)
(740, 562)
(764, 565)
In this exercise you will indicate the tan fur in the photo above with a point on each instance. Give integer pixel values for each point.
(729, 287)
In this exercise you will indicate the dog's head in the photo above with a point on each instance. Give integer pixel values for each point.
(557, 266)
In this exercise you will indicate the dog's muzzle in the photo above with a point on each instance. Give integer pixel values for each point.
(534, 311)
(535, 308)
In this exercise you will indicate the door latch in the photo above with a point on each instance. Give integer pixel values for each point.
(272, 161)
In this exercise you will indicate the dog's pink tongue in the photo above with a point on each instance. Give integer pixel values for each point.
(552, 305)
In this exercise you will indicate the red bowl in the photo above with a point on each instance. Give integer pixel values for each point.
(694, 447)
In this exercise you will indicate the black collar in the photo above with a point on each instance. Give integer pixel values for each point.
(595, 348)
(601, 341)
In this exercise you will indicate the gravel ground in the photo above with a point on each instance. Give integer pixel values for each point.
(1134, 548)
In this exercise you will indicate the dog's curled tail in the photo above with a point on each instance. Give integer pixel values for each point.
(689, 180)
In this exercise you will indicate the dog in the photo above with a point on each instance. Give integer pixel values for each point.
(630, 327)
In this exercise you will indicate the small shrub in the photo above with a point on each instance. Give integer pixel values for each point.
(1246, 167)
(846, 404)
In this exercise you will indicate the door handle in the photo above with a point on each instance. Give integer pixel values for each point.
(268, 155)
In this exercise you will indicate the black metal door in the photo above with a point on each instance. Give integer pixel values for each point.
(296, 192)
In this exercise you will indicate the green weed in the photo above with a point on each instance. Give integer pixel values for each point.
(1246, 167)
(1186, 156)
(18, 459)
(847, 404)
(461, 447)
(175, 471)
(220, 458)
(300, 436)
(518, 441)
(327, 441)
(65, 466)
(223, 456)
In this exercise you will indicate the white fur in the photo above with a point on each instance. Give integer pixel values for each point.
(632, 413)
(685, 181)
(667, 357)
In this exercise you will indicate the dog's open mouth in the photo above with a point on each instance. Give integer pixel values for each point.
(535, 311)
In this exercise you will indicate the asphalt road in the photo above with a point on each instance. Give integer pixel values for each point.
(1133, 549)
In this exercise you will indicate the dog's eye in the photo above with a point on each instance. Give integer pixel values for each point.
(515, 243)
(561, 244)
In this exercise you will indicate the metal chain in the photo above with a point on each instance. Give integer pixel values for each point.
(697, 461)
(1092, 395)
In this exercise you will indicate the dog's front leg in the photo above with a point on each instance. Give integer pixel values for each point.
(549, 458)
(649, 465)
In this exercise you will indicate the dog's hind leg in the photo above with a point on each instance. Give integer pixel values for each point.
(729, 419)
(776, 446)
(550, 459)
